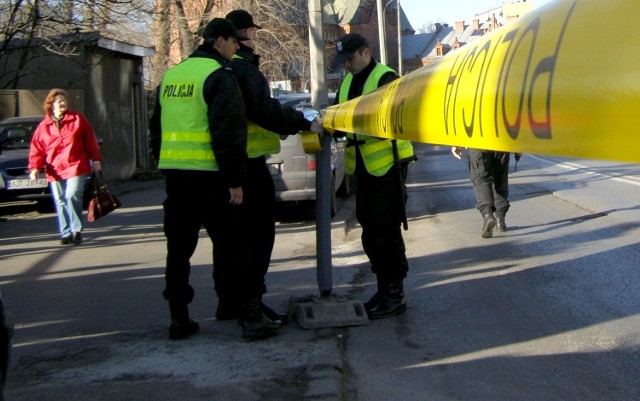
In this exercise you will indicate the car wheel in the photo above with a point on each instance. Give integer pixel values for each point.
(45, 206)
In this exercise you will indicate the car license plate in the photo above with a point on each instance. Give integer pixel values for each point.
(27, 183)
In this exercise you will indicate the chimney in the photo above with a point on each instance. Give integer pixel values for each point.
(476, 24)
(459, 26)
(438, 27)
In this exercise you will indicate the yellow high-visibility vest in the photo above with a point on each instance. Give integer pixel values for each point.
(377, 153)
(261, 141)
(186, 139)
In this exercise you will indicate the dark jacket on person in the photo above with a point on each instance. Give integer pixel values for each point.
(359, 79)
(227, 120)
(262, 109)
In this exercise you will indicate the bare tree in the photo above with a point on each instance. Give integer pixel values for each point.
(172, 26)
(430, 26)
(46, 18)
(47, 22)
(161, 26)
(282, 43)
(175, 31)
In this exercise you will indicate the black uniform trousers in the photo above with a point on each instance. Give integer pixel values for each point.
(259, 207)
(489, 173)
(379, 205)
(196, 199)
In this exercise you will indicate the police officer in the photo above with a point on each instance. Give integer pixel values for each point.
(199, 133)
(489, 174)
(380, 167)
(267, 120)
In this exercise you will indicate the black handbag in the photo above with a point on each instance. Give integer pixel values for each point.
(102, 201)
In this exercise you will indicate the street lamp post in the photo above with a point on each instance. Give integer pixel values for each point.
(399, 39)
(383, 45)
(383, 35)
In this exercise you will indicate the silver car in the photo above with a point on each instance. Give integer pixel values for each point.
(294, 171)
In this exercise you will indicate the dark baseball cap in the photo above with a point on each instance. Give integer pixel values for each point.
(242, 19)
(346, 46)
(221, 27)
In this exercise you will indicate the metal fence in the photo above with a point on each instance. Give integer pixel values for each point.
(8, 104)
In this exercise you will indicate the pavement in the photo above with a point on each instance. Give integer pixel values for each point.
(547, 310)
(90, 322)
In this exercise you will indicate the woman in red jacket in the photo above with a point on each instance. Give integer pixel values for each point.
(65, 145)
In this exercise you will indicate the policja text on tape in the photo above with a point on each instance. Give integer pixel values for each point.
(562, 80)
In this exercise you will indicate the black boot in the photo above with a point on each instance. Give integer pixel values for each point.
(181, 326)
(487, 227)
(501, 226)
(281, 318)
(393, 302)
(378, 297)
(255, 325)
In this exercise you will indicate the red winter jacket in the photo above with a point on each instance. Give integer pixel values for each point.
(64, 152)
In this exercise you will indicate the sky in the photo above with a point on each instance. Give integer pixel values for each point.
(424, 12)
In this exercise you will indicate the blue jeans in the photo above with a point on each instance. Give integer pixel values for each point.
(67, 195)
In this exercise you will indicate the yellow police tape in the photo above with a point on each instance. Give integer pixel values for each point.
(562, 80)
(310, 142)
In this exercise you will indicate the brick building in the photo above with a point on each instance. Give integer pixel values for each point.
(361, 16)
(424, 49)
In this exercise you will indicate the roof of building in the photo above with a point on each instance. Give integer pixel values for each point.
(424, 45)
(450, 36)
(342, 12)
(94, 38)
(416, 45)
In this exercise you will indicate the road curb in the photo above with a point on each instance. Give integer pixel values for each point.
(325, 376)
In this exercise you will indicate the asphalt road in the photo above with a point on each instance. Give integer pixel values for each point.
(547, 311)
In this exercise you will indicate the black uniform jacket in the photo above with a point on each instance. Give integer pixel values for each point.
(262, 109)
(227, 120)
(359, 79)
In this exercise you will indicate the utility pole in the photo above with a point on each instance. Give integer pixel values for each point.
(319, 99)
(399, 39)
(383, 45)
(328, 310)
